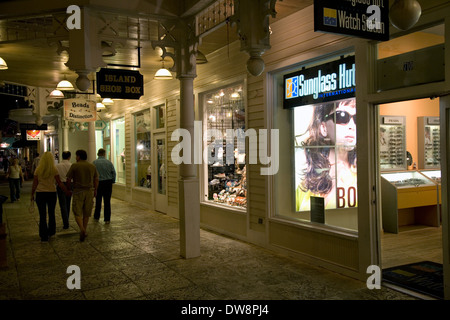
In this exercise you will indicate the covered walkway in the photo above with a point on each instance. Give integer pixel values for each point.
(136, 257)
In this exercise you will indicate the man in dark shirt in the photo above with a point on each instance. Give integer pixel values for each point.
(107, 176)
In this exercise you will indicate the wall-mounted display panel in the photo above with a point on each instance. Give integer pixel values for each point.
(428, 143)
(392, 143)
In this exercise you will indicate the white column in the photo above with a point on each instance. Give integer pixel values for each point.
(188, 185)
(65, 136)
(91, 151)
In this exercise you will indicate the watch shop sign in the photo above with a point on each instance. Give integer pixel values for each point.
(367, 19)
(120, 84)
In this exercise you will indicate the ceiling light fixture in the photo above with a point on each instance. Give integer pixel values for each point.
(108, 101)
(65, 85)
(3, 65)
(201, 58)
(56, 94)
(163, 73)
(100, 106)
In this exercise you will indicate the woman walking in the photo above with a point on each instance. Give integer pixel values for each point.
(15, 178)
(44, 186)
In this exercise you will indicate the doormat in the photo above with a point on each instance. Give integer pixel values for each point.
(425, 277)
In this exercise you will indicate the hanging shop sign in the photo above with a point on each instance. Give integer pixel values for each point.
(33, 126)
(327, 82)
(33, 135)
(80, 110)
(120, 84)
(367, 19)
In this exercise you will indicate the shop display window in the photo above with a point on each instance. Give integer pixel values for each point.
(160, 117)
(315, 115)
(142, 123)
(119, 159)
(225, 171)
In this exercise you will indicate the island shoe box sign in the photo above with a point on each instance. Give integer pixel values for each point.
(120, 84)
(367, 19)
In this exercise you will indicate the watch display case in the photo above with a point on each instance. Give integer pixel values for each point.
(408, 198)
(392, 143)
(428, 142)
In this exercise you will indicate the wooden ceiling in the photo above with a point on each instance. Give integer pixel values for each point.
(35, 62)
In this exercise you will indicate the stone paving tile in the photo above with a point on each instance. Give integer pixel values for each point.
(139, 259)
(123, 291)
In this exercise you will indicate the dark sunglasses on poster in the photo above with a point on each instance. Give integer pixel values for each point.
(342, 117)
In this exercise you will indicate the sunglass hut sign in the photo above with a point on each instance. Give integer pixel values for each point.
(327, 82)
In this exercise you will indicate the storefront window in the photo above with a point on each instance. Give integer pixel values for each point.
(118, 131)
(317, 179)
(225, 179)
(143, 146)
(160, 117)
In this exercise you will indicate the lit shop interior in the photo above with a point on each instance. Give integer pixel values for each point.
(409, 163)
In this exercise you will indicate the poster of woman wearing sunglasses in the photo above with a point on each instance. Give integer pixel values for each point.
(325, 154)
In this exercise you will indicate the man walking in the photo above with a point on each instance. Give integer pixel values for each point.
(64, 200)
(106, 177)
(83, 178)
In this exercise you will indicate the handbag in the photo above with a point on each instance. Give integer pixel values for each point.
(31, 207)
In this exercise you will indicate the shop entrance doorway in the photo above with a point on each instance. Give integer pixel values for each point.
(160, 172)
(409, 162)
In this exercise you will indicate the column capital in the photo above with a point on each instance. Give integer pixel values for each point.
(180, 36)
(252, 20)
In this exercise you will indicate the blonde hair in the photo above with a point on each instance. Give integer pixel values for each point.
(46, 168)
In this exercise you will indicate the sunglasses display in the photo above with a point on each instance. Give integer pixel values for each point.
(429, 142)
(341, 117)
(392, 147)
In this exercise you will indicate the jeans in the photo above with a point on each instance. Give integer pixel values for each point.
(64, 205)
(14, 189)
(46, 201)
(104, 191)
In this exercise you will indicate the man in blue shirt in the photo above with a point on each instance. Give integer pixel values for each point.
(107, 176)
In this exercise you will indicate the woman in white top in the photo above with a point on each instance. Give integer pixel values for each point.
(15, 178)
(44, 186)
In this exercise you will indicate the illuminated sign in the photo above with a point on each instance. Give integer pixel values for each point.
(325, 157)
(33, 135)
(367, 19)
(327, 82)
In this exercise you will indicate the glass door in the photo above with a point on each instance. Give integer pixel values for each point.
(444, 103)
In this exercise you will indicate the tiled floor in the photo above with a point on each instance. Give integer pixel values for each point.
(136, 257)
